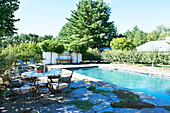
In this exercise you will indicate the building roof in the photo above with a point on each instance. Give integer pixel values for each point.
(160, 45)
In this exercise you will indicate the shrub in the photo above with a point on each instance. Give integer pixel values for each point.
(152, 57)
(92, 54)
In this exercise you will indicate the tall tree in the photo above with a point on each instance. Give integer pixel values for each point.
(137, 36)
(90, 23)
(152, 36)
(7, 9)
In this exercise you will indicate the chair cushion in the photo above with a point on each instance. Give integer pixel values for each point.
(61, 86)
(65, 79)
(22, 90)
(16, 82)
(42, 79)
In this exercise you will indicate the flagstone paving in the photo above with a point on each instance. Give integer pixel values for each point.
(55, 103)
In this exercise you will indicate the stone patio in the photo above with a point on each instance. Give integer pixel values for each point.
(55, 103)
(78, 91)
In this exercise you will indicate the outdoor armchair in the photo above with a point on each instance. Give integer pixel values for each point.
(19, 88)
(63, 82)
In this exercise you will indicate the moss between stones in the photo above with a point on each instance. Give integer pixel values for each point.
(124, 94)
(103, 92)
(84, 105)
(129, 100)
(167, 108)
(91, 88)
(28, 111)
(77, 87)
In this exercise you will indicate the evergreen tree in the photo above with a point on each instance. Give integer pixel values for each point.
(89, 23)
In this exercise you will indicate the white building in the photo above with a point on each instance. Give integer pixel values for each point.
(160, 45)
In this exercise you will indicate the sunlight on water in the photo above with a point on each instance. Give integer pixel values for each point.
(158, 87)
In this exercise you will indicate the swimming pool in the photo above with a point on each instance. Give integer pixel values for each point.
(155, 86)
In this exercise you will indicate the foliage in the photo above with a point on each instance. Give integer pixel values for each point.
(152, 36)
(45, 45)
(92, 54)
(40, 67)
(57, 47)
(89, 23)
(7, 58)
(121, 44)
(52, 46)
(77, 47)
(25, 51)
(84, 105)
(152, 57)
(138, 37)
(65, 34)
(24, 38)
(7, 9)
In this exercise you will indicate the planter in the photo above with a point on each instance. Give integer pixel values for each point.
(46, 69)
(40, 70)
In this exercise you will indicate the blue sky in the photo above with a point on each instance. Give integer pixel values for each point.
(47, 17)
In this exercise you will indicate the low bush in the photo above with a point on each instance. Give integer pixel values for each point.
(92, 54)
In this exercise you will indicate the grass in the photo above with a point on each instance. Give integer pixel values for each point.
(84, 105)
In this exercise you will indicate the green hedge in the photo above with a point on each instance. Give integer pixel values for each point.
(92, 54)
(152, 57)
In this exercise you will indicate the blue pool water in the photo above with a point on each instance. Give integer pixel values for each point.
(155, 86)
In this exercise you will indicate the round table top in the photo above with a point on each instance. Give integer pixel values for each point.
(44, 74)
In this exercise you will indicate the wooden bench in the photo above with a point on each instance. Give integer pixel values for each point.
(63, 60)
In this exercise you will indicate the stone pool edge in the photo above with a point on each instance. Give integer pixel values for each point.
(144, 97)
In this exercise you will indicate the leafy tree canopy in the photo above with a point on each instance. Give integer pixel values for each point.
(77, 47)
(121, 43)
(7, 9)
(52, 46)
